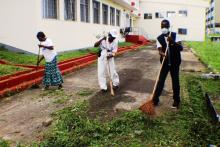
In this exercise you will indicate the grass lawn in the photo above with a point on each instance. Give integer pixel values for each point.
(3, 143)
(7, 69)
(190, 126)
(208, 52)
(21, 58)
(214, 35)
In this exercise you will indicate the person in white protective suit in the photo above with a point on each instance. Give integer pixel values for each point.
(108, 48)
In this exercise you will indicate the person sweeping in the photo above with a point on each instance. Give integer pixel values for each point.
(52, 75)
(169, 47)
(171, 64)
(108, 48)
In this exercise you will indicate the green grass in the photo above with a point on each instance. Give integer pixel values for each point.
(62, 100)
(22, 58)
(7, 69)
(208, 52)
(17, 58)
(85, 92)
(3, 143)
(214, 35)
(190, 126)
(211, 86)
(123, 44)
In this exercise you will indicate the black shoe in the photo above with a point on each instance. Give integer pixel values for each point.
(175, 105)
(156, 102)
(46, 87)
(115, 87)
(60, 86)
(103, 90)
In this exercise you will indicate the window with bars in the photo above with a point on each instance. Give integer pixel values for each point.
(118, 17)
(112, 16)
(84, 10)
(159, 15)
(170, 13)
(49, 8)
(105, 14)
(70, 9)
(96, 11)
(147, 15)
(182, 31)
(183, 13)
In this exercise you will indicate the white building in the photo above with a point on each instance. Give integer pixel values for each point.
(73, 24)
(213, 17)
(187, 17)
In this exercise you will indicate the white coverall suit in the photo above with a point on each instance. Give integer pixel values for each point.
(103, 64)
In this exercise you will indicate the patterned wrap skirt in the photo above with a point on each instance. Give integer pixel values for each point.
(52, 75)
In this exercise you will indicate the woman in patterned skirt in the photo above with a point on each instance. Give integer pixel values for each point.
(52, 75)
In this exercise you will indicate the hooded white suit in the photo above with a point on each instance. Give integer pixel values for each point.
(103, 64)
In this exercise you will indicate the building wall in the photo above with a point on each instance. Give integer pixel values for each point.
(217, 11)
(23, 19)
(18, 24)
(69, 35)
(194, 22)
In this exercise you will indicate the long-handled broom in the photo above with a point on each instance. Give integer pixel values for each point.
(148, 107)
(37, 66)
(110, 79)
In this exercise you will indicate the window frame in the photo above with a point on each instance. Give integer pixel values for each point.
(148, 16)
(170, 12)
(46, 9)
(159, 15)
(182, 31)
(118, 17)
(86, 8)
(96, 18)
(183, 13)
(70, 16)
(112, 16)
(105, 17)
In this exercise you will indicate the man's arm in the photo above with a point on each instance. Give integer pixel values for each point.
(47, 47)
(159, 47)
(97, 44)
(177, 43)
(161, 52)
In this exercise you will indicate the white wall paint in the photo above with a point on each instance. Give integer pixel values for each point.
(194, 22)
(18, 24)
(23, 19)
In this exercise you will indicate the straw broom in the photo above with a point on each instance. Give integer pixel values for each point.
(148, 107)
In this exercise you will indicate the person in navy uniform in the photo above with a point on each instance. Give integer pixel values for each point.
(171, 63)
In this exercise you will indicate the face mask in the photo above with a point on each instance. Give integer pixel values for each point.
(164, 30)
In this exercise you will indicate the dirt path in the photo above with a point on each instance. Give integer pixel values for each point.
(22, 115)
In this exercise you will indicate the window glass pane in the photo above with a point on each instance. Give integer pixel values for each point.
(84, 10)
(112, 16)
(96, 12)
(183, 13)
(182, 31)
(118, 17)
(49, 8)
(147, 16)
(70, 9)
(105, 14)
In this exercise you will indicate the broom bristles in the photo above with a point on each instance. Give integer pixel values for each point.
(148, 108)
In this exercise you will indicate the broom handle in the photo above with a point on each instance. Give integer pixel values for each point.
(158, 75)
(38, 57)
(110, 81)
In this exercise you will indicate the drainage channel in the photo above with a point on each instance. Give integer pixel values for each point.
(23, 80)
